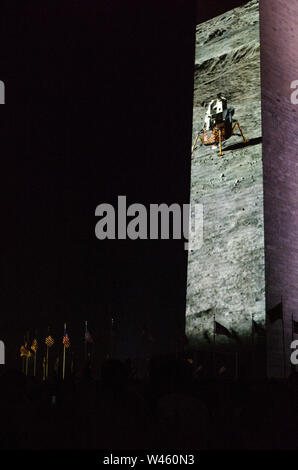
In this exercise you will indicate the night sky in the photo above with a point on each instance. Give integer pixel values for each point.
(98, 104)
(206, 11)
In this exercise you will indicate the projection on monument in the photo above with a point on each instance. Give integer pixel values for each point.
(226, 279)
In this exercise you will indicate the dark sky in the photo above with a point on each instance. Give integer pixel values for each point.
(207, 10)
(99, 104)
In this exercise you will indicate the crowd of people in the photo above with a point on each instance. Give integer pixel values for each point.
(169, 409)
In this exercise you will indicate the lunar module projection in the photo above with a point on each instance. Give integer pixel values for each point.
(219, 124)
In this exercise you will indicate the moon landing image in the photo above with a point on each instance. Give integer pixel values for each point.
(225, 302)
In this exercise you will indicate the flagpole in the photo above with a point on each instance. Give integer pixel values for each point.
(86, 329)
(35, 353)
(27, 356)
(47, 362)
(63, 366)
(64, 351)
(24, 358)
(34, 364)
(47, 354)
(252, 329)
(237, 365)
(252, 345)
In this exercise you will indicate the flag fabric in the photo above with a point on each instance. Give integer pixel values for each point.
(146, 334)
(236, 336)
(88, 337)
(34, 345)
(295, 327)
(258, 328)
(206, 336)
(275, 313)
(198, 369)
(44, 362)
(222, 330)
(185, 339)
(49, 341)
(24, 350)
(113, 327)
(65, 340)
(222, 370)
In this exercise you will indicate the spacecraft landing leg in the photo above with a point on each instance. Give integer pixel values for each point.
(243, 136)
(220, 143)
(241, 131)
(196, 141)
(195, 144)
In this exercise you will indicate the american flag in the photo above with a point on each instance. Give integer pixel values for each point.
(113, 327)
(147, 335)
(276, 313)
(222, 330)
(88, 337)
(66, 340)
(24, 351)
(34, 345)
(258, 328)
(49, 341)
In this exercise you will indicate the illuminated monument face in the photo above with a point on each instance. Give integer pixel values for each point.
(226, 279)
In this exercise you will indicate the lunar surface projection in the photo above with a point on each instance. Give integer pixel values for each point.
(225, 301)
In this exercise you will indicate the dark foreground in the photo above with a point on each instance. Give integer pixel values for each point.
(169, 410)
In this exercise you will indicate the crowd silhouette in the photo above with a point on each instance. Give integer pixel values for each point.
(169, 409)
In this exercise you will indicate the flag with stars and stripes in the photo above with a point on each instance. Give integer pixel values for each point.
(66, 340)
(49, 341)
(258, 328)
(222, 330)
(24, 350)
(34, 345)
(275, 313)
(88, 337)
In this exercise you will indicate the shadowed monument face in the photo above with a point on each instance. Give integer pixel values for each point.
(226, 279)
